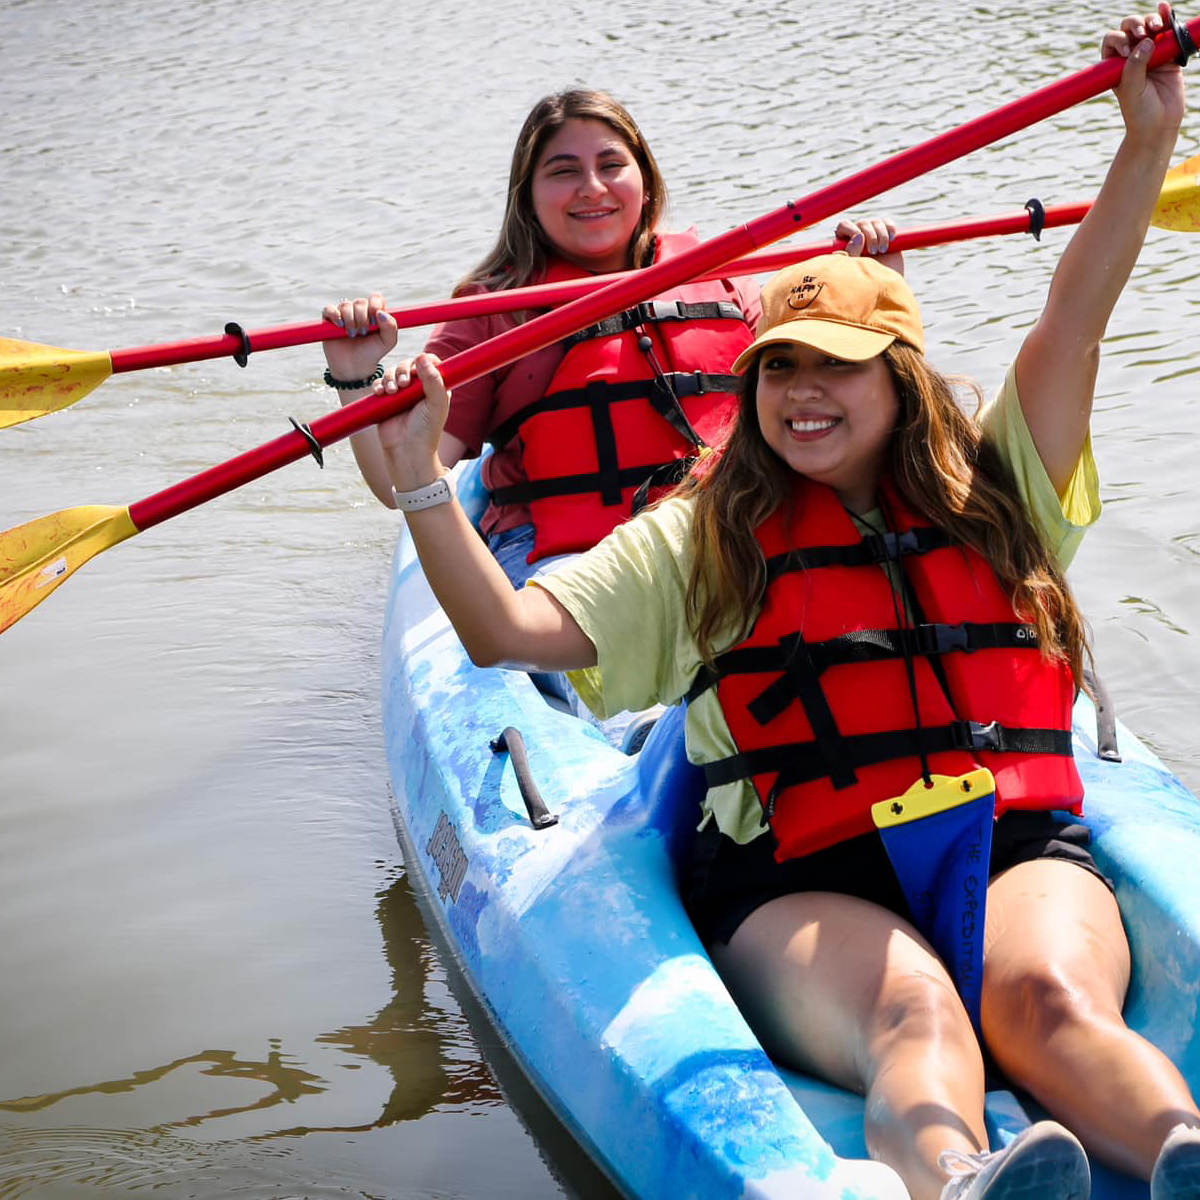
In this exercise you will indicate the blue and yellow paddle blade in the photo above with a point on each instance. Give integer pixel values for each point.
(36, 380)
(939, 841)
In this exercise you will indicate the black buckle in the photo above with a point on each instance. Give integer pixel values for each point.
(689, 384)
(661, 310)
(888, 547)
(973, 735)
(941, 639)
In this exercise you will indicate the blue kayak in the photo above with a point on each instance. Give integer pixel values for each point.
(566, 923)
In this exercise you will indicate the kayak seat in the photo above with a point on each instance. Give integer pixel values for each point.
(671, 786)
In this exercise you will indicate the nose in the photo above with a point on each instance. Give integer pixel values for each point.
(803, 384)
(590, 184)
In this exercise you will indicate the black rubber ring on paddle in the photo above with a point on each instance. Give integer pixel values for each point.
(1183, 38)
(314, 446)
(1037, 217)
(239, 356)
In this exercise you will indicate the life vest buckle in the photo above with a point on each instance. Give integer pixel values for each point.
(974, 735)
(941, 639)
(888, 547)
(662, 310)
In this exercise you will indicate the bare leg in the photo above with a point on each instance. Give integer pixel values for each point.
(851, 993)
(1054, 982)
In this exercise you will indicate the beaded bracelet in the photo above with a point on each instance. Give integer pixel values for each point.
(352, 385)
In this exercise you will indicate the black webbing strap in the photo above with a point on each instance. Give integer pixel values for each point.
(666, 476)
(573, 485)
(874, 549)
(658, 310)
(803, 682)
(802, 762)
(669, 389)
(691, 383)
(859, 646)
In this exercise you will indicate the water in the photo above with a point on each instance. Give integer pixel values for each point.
(213, 978)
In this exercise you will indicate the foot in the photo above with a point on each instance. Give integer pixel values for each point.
(1177, 1172)
(1042, 1162)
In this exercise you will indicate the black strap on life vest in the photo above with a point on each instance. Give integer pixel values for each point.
(666, 476)
(802, 762)
(872, 550)
(660, 391)
(610, 478)
(658, 310)
(858, 646)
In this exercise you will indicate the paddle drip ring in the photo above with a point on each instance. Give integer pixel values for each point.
(1037, 217)
(1183, 38)
(239, 356)
(314, 447)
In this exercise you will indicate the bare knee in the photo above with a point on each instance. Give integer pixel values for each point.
(918, 1008)
(1038, 1002)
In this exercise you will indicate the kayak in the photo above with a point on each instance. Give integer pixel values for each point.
(546, 862)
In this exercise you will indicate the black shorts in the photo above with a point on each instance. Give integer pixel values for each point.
(725, 882)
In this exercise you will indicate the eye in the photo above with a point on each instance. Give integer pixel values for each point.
(776, 362)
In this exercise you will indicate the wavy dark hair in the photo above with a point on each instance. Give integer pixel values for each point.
(522, 250)
(943, 467)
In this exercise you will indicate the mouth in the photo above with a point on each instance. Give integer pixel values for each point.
(592, 214)
(812, 426)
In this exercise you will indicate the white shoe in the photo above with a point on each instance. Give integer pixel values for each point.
(1043, 1162)
(1177, 1172)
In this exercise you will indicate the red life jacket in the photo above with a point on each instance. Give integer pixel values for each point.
(819, 698)
(634, 400)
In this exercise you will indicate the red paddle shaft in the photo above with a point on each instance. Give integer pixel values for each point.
(550, 295)
(552, 326)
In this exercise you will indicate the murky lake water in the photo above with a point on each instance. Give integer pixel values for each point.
(213, 977)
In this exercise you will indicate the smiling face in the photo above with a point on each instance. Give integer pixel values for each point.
(588, 193)
(828, 419)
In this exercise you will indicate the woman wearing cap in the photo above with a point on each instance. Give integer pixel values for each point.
(850, 452)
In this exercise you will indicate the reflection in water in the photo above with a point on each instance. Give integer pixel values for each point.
(409, 1038)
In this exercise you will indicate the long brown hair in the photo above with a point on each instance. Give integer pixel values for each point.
(942, 465)
(522, 249)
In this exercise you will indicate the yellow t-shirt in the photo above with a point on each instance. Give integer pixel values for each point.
(627, 595)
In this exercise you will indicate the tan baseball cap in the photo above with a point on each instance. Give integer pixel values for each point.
(848, 308)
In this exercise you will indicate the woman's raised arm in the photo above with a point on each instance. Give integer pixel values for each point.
(498, 626)
(1056, 367)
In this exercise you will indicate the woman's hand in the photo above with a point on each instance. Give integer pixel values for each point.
(1152, 103)
(410, 439)
(873, 236)
(370, 335)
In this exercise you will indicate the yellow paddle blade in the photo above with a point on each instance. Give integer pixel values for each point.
(1178, 205)
(37, 556)
(36, 380)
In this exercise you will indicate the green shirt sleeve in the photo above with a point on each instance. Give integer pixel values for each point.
(1061, 520)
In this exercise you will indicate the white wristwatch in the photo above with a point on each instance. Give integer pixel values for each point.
(437, 492)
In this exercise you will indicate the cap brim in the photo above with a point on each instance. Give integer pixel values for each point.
(849, 342)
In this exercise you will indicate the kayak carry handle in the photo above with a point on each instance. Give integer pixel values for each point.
(512, 741)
